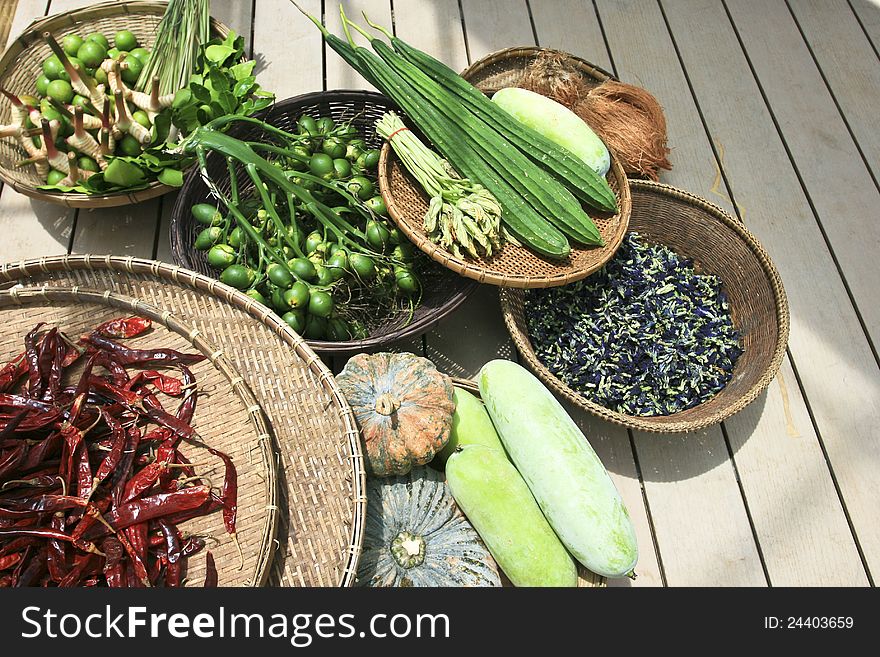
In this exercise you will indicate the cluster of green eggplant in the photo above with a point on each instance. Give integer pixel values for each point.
(311, 240)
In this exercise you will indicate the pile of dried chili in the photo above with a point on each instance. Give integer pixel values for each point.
(93, 482)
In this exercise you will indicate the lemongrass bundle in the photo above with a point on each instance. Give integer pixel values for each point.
(184, 27)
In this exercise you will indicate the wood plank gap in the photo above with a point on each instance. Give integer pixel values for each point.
(745, 500)
(605, 38)
(467, 47)
(653, 532)
(807, 195)
(324, 46)
(253, 23)
(532, 23)
(158, 230)
(736, 208)
(834, 100)
(864, 29)
(837, 489)
(72, 231)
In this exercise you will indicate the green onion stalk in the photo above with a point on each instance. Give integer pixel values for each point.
(462, 214)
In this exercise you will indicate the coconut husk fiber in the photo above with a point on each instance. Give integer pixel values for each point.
(627, 118)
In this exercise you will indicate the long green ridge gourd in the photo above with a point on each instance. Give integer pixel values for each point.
(471, 425)
(585, 184)
(523, 221)
(537, 186)
(497, 501)
(561, 469)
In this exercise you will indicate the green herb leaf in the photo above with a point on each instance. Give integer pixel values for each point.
(200, 93)
(122, 173)
(171, 177)
(243, 70)
(218, 53)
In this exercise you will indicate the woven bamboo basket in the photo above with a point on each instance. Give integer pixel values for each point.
(442, 291)
(317, 451)
(21, 63)
(586, 578)
(229, 418)
(720, 245)
(511, 266)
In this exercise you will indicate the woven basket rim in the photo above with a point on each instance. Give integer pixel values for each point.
(21, 296)
(484, 62)
(662, 424)
(417, 327)
(83, 15)
(15, 271)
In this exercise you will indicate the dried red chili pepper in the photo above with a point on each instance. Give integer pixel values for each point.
(187, 409)
(35, 385)
(10, 560)
(156, 506)
(124, 327)
(164, 383)
(210, 571)
(13, 371)
(143, 357)
(10, 461)
(123, 471)
(111, 461)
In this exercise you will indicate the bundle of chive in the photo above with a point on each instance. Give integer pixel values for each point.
(184, 27)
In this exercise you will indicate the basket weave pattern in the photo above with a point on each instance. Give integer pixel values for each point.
(720, 245)
(319, 463)
(21, 64)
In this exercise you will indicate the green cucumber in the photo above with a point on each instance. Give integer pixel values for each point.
(557, 123)
(561, 469)
(498, 504)
(471, 425)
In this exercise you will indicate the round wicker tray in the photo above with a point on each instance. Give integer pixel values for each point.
(22, 61)
(442, 292)
(511, 266)
(319, 464)
(586, 578)
(228, 418)
(719, 245)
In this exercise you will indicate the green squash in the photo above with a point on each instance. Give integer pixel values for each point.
(403, 407)
(415, 536)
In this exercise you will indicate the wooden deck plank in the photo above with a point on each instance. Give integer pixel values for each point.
(839, 185)
(702, 527)
(848, 64)
(781, 217)
(339, 74)
(827, 342)
(868, 12)
(288, 48)
(581, 34)
(33, 228)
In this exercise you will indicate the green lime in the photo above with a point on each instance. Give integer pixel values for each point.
(362, 265)
(221, 256)
(141, 117)
(325, 125)
(55, 177)
(256, 296)
(49, 113)
(279, 275)
(377, 205)
(207, 238)
(85, 163)
(141, 53)
(236, 237)
(333, 147)
(53, 68)
(321, 165)
(316, 328)
(361, 187)
(406, 280)
(377, 235)
(101, 76)
(313, 240)
(77, 63)
(303, 268)
(132, 72)
(296, 319)
(298, 296)
(113, 53)
(42, 85)
(320, 304)
(91, 53)
(71, 43)
(129, 146)
(60, 90)
(98, 37)
(341, 168)
(238, 276)
(80, 101)
(206, 214)
(125, 40)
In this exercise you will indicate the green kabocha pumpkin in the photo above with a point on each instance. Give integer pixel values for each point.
(415, 535)
(403, 407)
